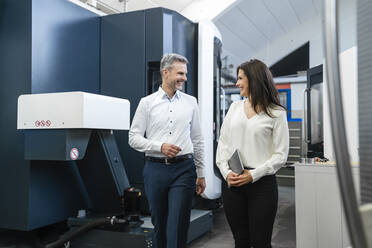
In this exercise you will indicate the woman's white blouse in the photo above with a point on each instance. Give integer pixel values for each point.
(262, 141)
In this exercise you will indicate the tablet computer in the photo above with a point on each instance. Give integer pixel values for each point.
(235, 163)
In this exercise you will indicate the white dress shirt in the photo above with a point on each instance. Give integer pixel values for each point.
(164, 120)
(262, 141)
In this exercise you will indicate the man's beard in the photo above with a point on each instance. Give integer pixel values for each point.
(174, 83)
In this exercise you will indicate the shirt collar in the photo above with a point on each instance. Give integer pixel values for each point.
(163, 94)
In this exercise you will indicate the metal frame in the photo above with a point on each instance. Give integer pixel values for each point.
(348, 195)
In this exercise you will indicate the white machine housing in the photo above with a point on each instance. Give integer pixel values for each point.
(207, 32)
(68, 110)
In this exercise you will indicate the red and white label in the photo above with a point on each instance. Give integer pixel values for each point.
(43, 123)
(74, 153)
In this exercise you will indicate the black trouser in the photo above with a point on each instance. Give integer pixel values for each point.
(250, 211)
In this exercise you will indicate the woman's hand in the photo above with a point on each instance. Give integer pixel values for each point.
(236, 180)
(231, 177)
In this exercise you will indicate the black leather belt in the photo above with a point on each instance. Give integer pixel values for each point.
(170, 160)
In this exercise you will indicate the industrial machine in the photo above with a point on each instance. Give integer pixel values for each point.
(53, 47)
(77, 127)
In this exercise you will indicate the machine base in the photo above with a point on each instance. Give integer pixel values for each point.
(201, 221)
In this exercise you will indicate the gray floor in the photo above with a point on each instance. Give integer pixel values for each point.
(284, 233)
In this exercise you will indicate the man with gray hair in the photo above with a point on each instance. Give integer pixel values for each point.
(166, 127)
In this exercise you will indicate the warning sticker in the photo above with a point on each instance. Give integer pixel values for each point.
(74, 153)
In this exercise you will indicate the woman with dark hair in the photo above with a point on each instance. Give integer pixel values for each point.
(257, 127)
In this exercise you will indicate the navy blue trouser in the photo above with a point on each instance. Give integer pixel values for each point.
(250, 211)
(170, 189)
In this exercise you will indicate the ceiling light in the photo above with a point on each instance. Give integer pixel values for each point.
(206, 9)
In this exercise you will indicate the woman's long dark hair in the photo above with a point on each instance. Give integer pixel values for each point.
(261, 89)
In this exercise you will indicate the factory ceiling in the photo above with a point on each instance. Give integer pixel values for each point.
(248, 27)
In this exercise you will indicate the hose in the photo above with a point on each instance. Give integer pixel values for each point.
(71, 235)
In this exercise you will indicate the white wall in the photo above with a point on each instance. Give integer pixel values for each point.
(349, 85)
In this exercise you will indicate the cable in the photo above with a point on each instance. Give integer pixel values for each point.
(71, 235)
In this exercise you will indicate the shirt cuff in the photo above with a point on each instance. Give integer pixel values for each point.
(225, 172)
(156, 146)
(257, 173)
(200, 172)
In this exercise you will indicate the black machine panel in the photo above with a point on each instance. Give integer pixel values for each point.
(123, 71)
(169, 32)
(314, 120)
(103, 173)
(55, 144)
(15, 70)
(42, 50)
(65, 48)
(55, 193)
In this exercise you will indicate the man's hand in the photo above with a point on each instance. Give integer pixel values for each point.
(200, 185)
(170, 150)
(237, 180)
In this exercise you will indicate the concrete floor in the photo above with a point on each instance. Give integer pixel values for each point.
(284, 233)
